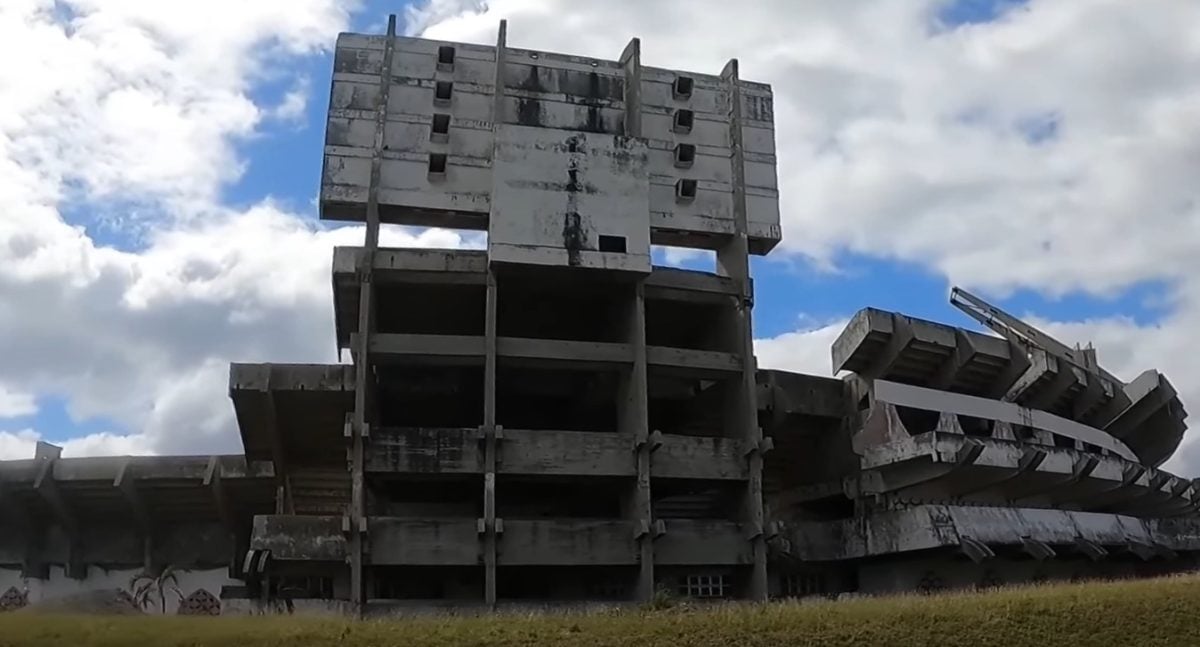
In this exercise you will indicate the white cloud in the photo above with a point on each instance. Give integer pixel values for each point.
(143, 103)
(804, 351)
(18, 445)
(294, 102)
(14, 403)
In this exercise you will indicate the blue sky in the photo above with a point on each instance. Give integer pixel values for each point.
(283, 162)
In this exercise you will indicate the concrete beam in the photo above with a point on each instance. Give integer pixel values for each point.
(562, 351)
(425, 349)
(47, 488)
(104, 469)
(700, 457)
(700, 363)
(566, 453)
(214, 482)
(942, 401)
(126, 483)
(254, 378)
(422, 450)
(441, 266)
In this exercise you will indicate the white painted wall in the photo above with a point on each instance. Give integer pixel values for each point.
(59, 585)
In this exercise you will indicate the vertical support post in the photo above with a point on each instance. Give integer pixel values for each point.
(734, 261)
(489, 363)
(635, 399)
(489, 450)
(635, 420)
(631, 62)
(362, 373)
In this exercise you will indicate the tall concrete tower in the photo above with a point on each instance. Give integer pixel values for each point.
(552, 417)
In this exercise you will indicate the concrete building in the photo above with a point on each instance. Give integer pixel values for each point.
(553, 419)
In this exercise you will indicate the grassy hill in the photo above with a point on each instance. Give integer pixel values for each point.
(1143, 613)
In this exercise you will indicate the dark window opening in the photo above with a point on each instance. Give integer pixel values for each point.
(683, 121)
(612, 244)
(685, 155)
(685, 189)
(1064, 442)
(441, 124)
(437, 163)
(682, 87)
(918, 421)
(445, 56)
(972, 426)
(442, 91)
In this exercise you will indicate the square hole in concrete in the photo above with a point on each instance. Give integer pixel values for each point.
(685, 155)
(685, 190)
(682, 88)
(442, 92)
(612, 244)
(439, 130)
(683, 121)
(437, 165)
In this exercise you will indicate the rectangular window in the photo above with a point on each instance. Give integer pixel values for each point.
(704, 586)
(685, 155)
(682, 88)
(685, 190)
(612, 244)
(683, 121)
(445, 58)
(442, 92)
(437, 165)
(439, 130)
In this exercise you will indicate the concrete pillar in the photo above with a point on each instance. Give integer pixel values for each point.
(490, 429)
(634, 420)
(635, 407)
(734, 261)
(489, 451)
(359, 430)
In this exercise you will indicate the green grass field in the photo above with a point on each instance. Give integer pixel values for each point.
(1139, 613)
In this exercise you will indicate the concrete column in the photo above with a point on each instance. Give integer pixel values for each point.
(489, 365)
(489, 450)
(634, 420)
(635, 400)
(631, 61)
(359, 430)
(734, 261)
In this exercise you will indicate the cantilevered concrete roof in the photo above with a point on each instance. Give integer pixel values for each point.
(1146, 414)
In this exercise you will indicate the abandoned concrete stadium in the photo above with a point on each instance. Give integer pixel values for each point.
(552, 419)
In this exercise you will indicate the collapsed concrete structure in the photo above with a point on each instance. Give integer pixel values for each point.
(554, 419)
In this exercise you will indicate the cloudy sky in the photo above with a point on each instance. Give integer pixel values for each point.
(159, 163)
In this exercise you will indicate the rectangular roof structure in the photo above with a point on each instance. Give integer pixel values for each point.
(563, 159)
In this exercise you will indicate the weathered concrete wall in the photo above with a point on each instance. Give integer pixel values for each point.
(547, 92)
